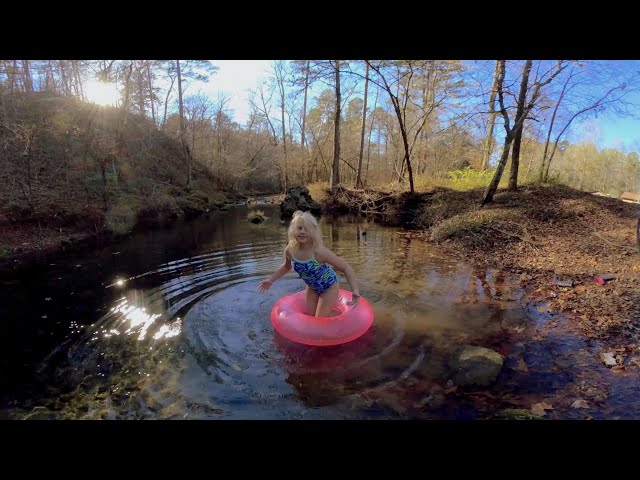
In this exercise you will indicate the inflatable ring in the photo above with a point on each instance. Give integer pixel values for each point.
(289, 319)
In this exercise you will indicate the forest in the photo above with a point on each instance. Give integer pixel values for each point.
(79, 161)
(499, 164)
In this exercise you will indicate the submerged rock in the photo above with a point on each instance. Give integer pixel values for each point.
(472, 365)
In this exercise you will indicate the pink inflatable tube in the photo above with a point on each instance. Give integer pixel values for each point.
(289, 319)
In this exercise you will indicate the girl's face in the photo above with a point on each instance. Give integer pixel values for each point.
(303, 236)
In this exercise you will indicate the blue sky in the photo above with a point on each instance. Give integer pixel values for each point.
(621, 133)
(235, 77)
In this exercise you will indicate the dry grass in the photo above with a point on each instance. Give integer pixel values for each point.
(318, 191)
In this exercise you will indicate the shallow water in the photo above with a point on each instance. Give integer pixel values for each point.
(169, 325)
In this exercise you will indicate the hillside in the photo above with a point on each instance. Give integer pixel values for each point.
(72, 169)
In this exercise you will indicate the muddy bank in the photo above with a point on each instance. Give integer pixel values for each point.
(548, 235)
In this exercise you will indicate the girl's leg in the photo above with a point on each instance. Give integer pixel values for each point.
(311, 297)
(328, 300)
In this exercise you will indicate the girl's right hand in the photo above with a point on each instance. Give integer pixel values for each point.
(265, 285)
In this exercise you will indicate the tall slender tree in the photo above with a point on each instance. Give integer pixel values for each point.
(364, 124)
(335, 166)
(521, 114)
(488, 146)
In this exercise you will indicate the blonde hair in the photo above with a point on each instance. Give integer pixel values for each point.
(311, 224)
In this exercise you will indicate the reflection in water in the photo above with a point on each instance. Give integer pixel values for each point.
(170, 325)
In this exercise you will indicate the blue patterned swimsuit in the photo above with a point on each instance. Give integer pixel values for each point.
(319, 277)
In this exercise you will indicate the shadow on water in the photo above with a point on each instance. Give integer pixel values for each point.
(168, 324)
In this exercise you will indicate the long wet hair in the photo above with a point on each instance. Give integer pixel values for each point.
(311, 224)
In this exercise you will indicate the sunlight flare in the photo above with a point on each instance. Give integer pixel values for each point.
(102, 93)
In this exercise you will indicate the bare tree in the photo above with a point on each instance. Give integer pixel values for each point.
(607, 88)
(521, 113)
(364, 124)
(517, 138)
(486, 154)
(402, 79)
(152, 100)
(280, 80)
(335, 169)
(261, 103)
(199, 70)
(183, 140)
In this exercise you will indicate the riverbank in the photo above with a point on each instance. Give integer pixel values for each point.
(25, 243)
(573, 251)
(549, 236)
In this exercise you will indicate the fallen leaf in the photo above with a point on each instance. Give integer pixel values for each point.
(580, 403)
(522, 365)
(540, 408)
(608, 359)
(519, 329)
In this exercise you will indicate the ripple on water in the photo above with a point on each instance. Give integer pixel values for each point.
(234, 323)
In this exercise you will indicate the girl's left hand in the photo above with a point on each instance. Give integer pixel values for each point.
(354, 299)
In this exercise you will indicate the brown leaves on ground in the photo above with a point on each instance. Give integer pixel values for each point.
(522, 365)
(580, 403)
(547, 232)
(541, 408)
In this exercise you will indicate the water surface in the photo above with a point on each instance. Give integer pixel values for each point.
(169, 325)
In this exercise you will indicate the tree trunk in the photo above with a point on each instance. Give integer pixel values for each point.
(127, 94)
(520, 115)
(373, 112)
(307, 167)
(400, 115)
(63, 76)
(183, 139)
(51, 74)
(141, 81)
(335, 170)
(280, 78)
(13, 78)
(166, 102)
(364, 124)
(541, 175)
(493, 186)
(405, 142)
(78, 80)
(515, 160)
(545, 177)
(304, 106)
(488, 147)
(26, 71)
(151, 99)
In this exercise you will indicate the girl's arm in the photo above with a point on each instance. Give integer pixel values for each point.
(284, 268)
(325, 255)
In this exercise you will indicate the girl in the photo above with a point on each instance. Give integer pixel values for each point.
(313, 262)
